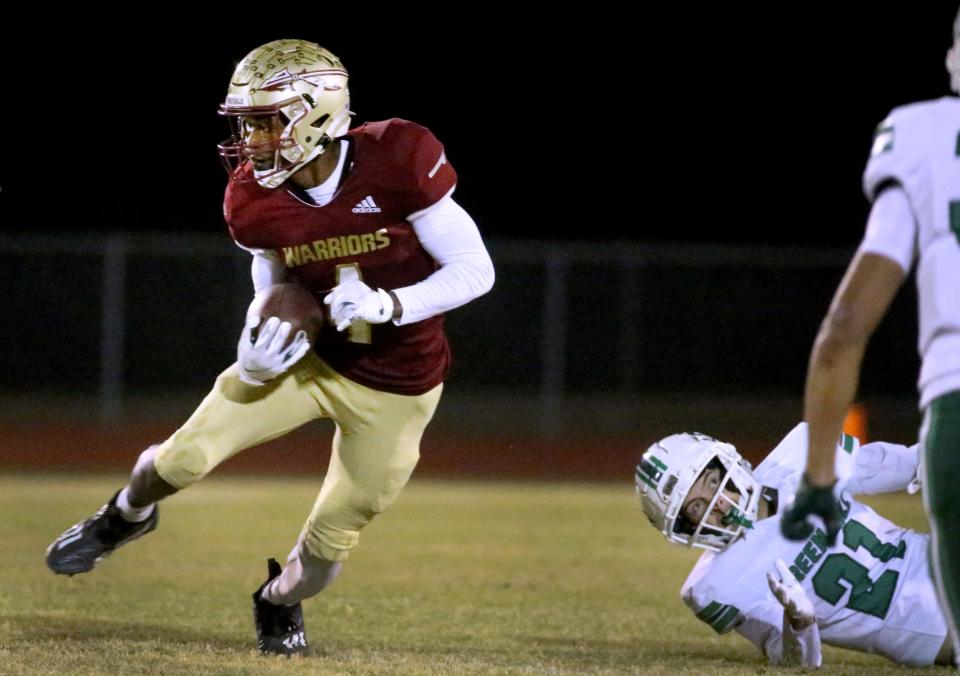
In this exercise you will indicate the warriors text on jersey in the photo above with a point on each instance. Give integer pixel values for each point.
(918, 148)
(393, 169)
(871, 591)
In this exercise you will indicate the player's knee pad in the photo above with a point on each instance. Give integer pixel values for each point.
(180, 462)
(333, 530)
(334, 526)
(330, 537)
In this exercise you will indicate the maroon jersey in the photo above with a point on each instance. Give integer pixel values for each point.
(393, 169)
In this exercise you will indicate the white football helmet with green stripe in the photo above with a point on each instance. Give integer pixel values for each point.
(665, 475)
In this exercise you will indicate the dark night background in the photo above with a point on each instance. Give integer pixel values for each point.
(720, 125)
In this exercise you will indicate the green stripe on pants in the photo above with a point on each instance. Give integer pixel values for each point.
(940, 437)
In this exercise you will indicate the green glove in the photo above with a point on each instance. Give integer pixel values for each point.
(810, 499)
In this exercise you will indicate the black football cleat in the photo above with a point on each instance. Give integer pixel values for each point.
(78, 548)
(279, 628)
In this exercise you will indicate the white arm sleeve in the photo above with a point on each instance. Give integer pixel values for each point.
(266, 269)
(451, 237)
(769, 629)
(891, 228)
(882, 467)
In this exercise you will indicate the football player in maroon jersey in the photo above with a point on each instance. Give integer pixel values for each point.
(365, 219)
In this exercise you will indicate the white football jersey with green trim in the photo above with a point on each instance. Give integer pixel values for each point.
(871, 591)
(918, 148)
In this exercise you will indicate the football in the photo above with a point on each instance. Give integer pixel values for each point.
(291, 303)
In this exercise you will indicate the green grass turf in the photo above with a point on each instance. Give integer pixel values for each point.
(456, 578)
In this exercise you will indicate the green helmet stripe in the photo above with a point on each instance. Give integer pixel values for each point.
(658, 464)
(645, 479)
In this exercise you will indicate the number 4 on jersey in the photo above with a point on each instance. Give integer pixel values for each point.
(359, 332)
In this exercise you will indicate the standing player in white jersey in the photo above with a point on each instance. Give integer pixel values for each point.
(870, 592)
(913, 180)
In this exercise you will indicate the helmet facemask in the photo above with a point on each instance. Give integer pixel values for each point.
(239, 148)
(734, 501)
(299, 91)
(666, 475)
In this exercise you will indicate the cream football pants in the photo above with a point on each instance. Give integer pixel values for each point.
(375, 447)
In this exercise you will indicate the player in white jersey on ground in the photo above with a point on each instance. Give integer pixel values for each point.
(871, 591)
(913, 180)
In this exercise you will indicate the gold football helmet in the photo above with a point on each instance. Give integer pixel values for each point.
(296, 91)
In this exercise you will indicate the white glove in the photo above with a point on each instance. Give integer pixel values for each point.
(796, 604)
(267, 358)
(354, 301)
(916, 483)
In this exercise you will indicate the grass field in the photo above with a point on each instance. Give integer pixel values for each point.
(456, 578)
